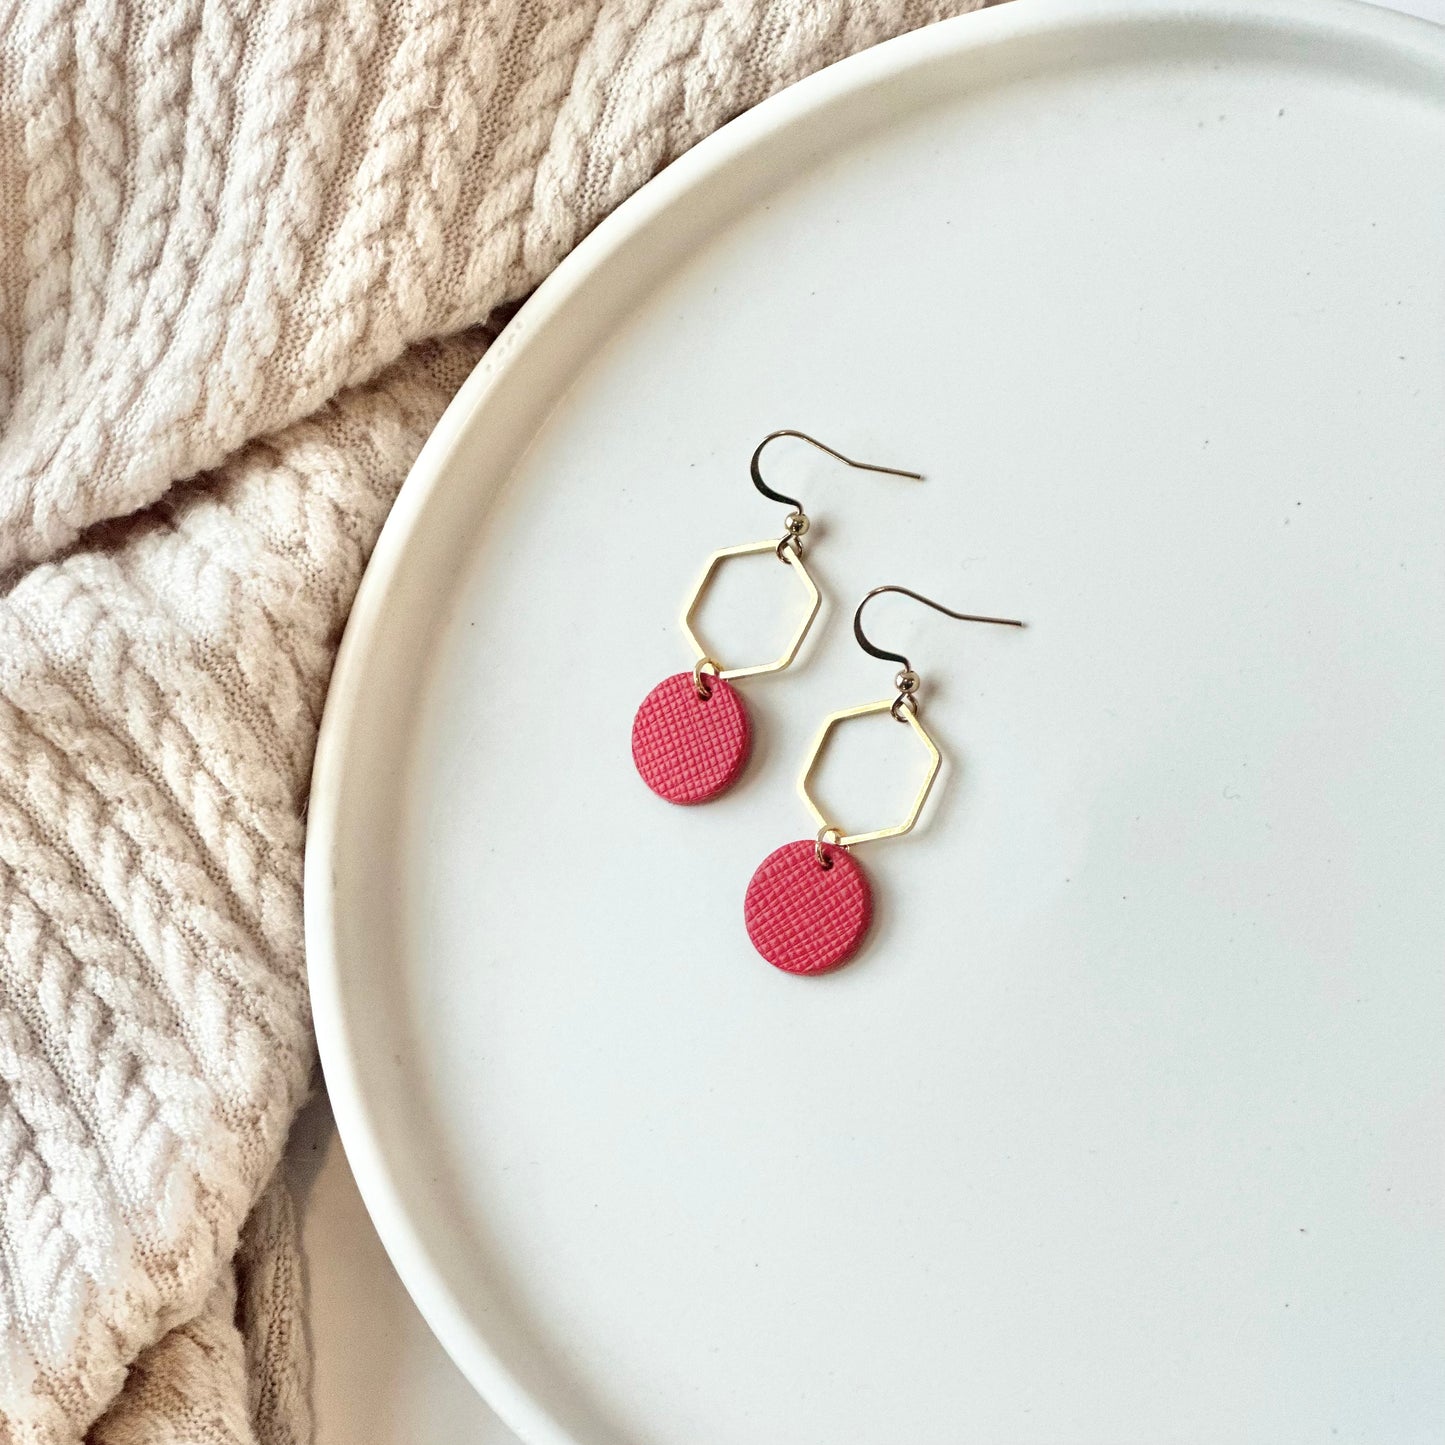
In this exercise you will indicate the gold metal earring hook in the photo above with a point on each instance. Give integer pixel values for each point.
(907, 681)
(756, 471)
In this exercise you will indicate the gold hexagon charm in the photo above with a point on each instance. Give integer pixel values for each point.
(794, 559)
(935, 759)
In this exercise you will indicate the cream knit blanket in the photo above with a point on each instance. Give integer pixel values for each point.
(248, 250)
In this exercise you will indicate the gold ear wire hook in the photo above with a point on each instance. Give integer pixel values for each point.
(907, 681)
(798, 518)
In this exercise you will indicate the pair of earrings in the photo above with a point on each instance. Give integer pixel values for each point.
(809, 904)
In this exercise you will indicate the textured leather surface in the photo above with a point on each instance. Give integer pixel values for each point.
(686, 749)
(802, 917)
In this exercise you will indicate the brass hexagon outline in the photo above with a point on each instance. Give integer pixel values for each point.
(746, 549)
(935, 760)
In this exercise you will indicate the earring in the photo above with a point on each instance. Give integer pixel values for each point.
(809, 904)
(692, 734)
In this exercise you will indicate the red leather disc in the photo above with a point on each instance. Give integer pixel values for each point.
(689, 749)
(803, 917)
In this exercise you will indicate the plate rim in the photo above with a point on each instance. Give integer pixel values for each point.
(1007, 24)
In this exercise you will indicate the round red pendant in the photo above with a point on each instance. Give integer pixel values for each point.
(687, 748)
(803, 917)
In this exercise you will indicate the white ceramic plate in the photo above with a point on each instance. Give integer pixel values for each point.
(1127, 1125)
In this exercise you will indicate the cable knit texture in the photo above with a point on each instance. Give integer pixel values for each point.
(248, 251)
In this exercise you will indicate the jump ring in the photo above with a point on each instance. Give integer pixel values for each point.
(824, 861)
(704, 690)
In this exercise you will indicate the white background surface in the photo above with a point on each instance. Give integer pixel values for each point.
(379, 1375)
